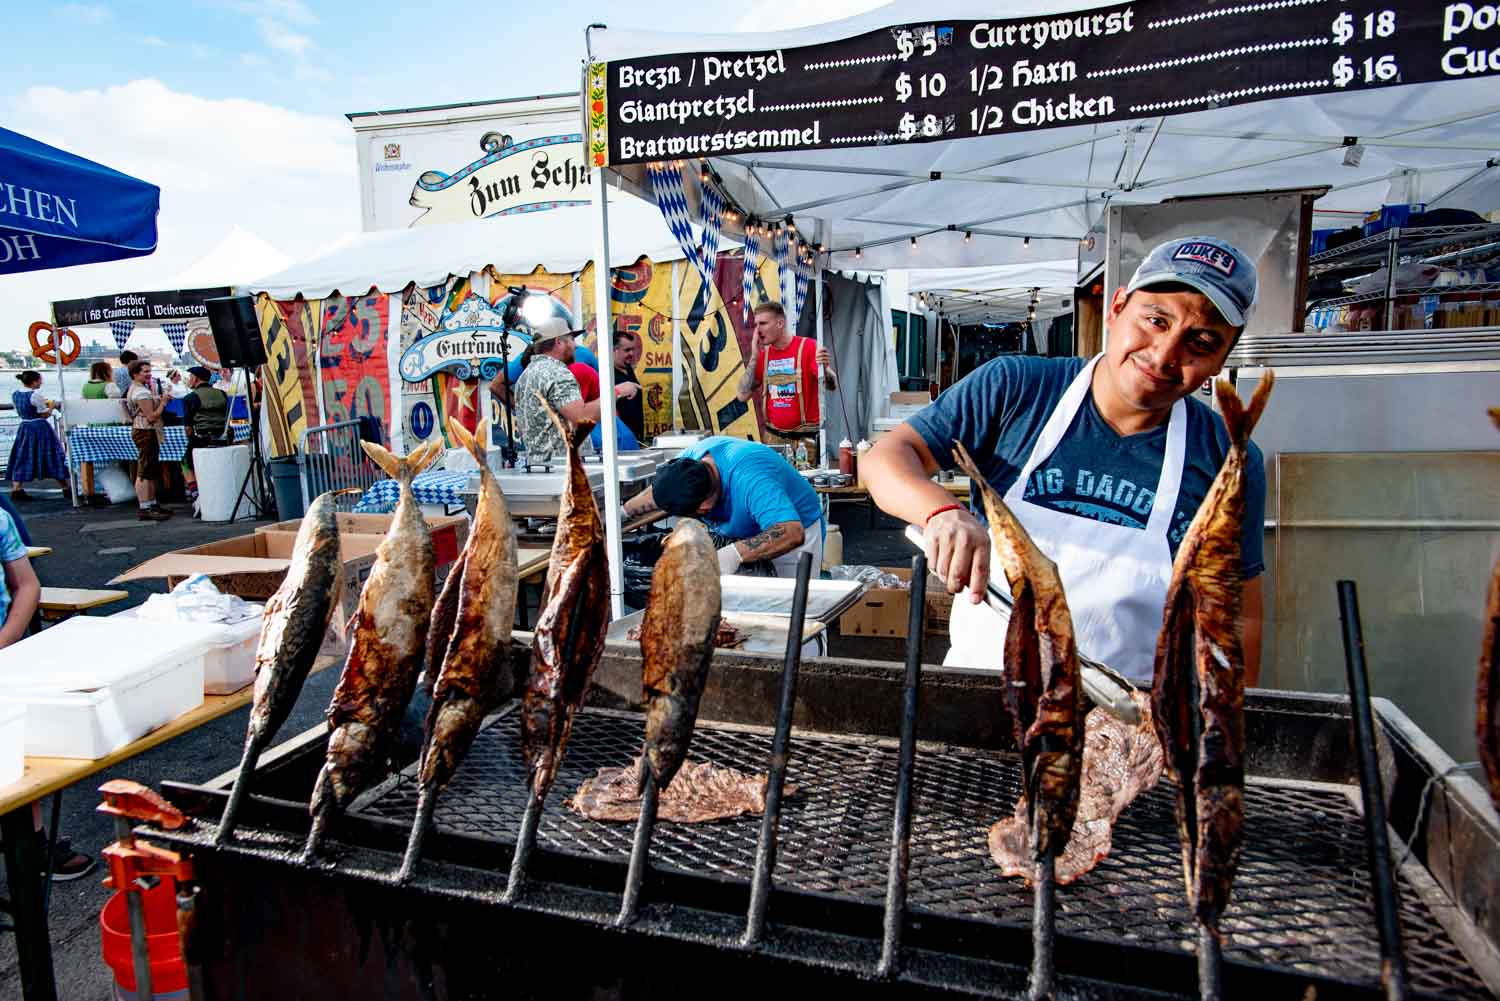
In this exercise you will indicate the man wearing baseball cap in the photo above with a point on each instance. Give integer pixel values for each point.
(1103, 460)
(205, 411)
(546, 362)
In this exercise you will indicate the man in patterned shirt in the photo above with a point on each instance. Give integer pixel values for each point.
(546, 363)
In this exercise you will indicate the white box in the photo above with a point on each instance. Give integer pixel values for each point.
(12, 742)
(229, 663)
(92, 685)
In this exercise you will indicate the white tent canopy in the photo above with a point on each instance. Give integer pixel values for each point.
(237, 259)
(999, 294)
(559, 240)
(1050, 185)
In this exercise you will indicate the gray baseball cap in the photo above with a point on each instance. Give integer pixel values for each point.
(1214, 267)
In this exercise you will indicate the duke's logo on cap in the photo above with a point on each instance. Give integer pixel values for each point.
(1206, 253)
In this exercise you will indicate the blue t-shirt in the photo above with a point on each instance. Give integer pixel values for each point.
(760, 488)
(998, 411)
(11, 548)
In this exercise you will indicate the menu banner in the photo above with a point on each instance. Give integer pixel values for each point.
(958, 79)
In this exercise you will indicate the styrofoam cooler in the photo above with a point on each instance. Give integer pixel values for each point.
(92, 685)
(229, 663)
(220, 472)
(12, 741)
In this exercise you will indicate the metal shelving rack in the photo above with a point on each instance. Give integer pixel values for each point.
(1387, 247)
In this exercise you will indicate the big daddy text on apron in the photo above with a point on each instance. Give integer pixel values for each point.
(1115, 577)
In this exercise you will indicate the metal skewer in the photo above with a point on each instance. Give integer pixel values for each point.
(248, 761)
(895, 887)
(765, 851)
(525, 841)
(640, 849)
(426, 805)
(1043, 981)
(1377, 841)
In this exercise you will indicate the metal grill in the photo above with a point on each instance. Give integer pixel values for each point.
(1302, 899)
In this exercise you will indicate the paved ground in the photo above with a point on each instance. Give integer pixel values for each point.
(92, 546)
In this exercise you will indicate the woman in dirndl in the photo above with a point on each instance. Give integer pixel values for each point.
(36, 453)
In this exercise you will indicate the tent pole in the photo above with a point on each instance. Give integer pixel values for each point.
(604, 325)
(677, 358)
(62, 398)
(818, 334)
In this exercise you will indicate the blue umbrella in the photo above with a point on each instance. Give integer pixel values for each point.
(57, 209)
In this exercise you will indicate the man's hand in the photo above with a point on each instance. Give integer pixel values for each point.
(626, 390)
(958, 550)
(823, 356)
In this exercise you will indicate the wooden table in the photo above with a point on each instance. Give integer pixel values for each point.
(73, 600)
(23, 852)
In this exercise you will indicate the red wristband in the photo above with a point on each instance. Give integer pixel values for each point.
(945, 507)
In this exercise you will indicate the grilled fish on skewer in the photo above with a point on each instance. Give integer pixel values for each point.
(389, 633)
(1044, 693)
(472, 676)
(1198, 694)
(571, 622)
(1487, 698)
(292, 628)
(677, 644)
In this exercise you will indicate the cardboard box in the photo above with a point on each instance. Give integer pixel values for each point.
(884, 611)
(921, 399)
(253, 567)
(449, 532)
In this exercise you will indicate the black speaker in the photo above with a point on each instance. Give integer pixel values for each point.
(236, 332)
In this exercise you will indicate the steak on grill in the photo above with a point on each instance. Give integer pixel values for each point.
(727, 635)
(700, 792)
(1120, 761)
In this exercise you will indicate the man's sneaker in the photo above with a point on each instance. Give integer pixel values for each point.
(154, 514)
(68, 864)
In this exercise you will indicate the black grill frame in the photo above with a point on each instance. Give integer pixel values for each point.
(1302, 901)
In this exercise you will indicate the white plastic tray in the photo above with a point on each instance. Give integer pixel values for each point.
(12, 742)
(92, 685)
(229, 663)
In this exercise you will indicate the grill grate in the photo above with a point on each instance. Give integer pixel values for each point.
(1302, 899)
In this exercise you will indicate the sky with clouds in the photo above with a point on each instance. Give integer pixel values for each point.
(235, 108)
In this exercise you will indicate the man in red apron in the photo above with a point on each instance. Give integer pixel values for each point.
(784, 370)
(1103, 460)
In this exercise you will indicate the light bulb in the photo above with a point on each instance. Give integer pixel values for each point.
(913, 243)
(536, 308)
(858, 253)
(1026, 241)
(968, 237)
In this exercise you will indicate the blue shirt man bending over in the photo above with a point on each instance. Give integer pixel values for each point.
(746, 492)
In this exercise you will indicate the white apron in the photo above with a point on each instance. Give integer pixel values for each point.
(1115, 577)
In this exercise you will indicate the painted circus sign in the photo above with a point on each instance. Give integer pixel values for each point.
(512, 177)
(466, 351)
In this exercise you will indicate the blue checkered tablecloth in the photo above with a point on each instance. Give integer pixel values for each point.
(438, 486)
(111, 443)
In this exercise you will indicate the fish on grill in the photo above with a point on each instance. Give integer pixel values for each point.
(701, 792)
(471, 678)
(1487, 695)
(1198, 691)
(292, 628)
(472, 675)
(1120, 761)
(388, 644)
(677, 644)
(571, 622)
(1044, 692)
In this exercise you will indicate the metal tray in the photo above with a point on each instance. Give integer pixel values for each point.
(826, 599)
(763, 633)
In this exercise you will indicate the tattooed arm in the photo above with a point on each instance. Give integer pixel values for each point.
(777, 540)
(641, 503)
(749, 385)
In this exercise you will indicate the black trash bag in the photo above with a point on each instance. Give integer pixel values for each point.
(640, 550)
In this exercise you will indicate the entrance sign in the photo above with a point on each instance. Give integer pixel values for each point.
(960, 79)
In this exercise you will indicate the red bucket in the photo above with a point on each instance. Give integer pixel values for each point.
(168, 973)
